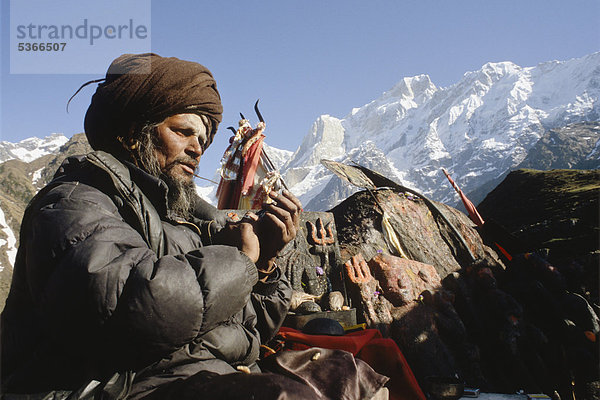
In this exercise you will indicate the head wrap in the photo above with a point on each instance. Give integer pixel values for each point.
(142, 89)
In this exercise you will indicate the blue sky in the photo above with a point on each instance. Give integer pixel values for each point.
(303, 58)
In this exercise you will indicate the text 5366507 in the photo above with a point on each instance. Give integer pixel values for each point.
(48, 46)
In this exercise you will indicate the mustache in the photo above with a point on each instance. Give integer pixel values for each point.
(182, 160)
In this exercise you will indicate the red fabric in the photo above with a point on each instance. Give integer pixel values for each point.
(473, 213)
(383, 355)
(251, 164)
(228, 194)
(224, 195)
(351, 342)
(506, 254)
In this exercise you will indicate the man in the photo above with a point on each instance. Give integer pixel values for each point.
(126, 283)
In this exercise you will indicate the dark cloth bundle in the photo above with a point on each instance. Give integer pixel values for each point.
(146, 88)
(312, 374)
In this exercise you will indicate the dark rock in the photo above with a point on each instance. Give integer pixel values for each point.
(570, 147)
(555, 210)
(423, 323)
(312, 260)
(308, 307)
(323, 326)
(427, 328)
(531, 325)
(366, 293)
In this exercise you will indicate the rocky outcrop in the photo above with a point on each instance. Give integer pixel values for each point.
(403, 296)
(574, 146)
(429, 232)
(557, 212)
(527, 321)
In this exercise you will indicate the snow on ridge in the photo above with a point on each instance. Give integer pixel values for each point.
(31, 148)
(9, 243)
(36, 176)
(413, 90)
(277, 156)
(208, 194)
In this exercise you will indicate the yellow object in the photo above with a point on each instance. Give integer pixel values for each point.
(244, 369)
(390, 235)
(355, 327)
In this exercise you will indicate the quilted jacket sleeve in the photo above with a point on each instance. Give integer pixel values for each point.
(93, 276)
(271, 301)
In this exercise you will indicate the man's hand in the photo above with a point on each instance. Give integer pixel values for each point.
(277, 227)
(262, 238)
(241, 235)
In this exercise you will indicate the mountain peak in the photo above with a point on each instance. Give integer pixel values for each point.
(501, 68)
(324, 140)
(412, 88)
(491, 72)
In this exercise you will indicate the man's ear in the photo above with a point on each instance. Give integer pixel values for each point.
(209, 133)
(130, 143)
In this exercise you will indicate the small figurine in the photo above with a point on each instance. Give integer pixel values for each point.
(247, 173)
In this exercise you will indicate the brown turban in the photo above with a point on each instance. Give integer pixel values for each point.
(147, 88)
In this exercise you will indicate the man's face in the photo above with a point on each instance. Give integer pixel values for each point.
(180, 142)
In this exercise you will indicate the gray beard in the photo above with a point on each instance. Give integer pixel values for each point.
(182, 193)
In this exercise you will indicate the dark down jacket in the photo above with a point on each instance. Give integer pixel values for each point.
(106, 282)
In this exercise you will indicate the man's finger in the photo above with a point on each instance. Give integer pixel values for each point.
(287, 201)
(284, 201)
(283, 219)
(283, 215)
(293, 198)
(278, 222)
(250, 216)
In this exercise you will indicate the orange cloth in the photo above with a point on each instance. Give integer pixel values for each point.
(383, 355)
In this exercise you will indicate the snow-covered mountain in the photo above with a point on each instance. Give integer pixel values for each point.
(31, 148)
(478, 129)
